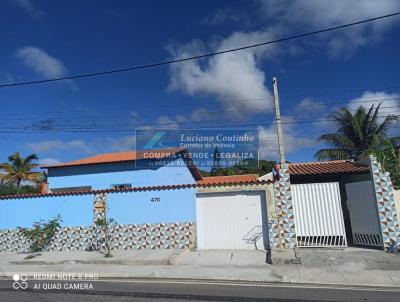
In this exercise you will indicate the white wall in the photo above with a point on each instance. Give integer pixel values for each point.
(397, 202)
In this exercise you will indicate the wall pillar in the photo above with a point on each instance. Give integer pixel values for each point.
(99, 212)
(383, 189)
(285, 226)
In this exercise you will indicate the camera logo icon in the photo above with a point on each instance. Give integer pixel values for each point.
(20, 281)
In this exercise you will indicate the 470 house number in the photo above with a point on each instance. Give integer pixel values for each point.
(155, 199)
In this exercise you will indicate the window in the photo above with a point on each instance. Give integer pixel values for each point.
(121, 186)
(71, 189)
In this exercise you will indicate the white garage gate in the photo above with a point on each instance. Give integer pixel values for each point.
(318, 215)
(231, 220)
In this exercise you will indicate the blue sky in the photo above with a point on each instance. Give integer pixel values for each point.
(317, 75)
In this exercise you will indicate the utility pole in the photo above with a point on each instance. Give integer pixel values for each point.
(278, 122)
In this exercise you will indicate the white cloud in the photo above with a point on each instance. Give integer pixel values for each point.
(59, 145)
(29, 8)
(309, 106)
(229, 77)
(94, 146)
(42, 63)
(293, 141)
(317, 14)
(298, 137)
(49, 161)
(165, 122)
(227, 15)
(121, 144)
(390, 102)
(390, 105)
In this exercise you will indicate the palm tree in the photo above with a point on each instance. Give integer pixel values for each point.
(356, 134)
(388, 154)
(19, 169)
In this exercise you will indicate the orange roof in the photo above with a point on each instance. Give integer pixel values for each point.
(132, 156)
(327, 167)
(231, 179)
(120, 157)
(90, 192)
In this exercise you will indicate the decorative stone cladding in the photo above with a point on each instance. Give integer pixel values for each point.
(385, 204)
(99, 206)
(180, 235)
(284, 210)
(273, 234)
(99, 212)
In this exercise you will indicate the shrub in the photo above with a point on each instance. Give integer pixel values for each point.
(41, 233)
(105, 224)
(9, 189)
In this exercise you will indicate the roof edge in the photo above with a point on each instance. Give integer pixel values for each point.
(135, 189)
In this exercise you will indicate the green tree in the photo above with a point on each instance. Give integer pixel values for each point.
(356, 135)
(19, 169)
(10, 189)
(216, 163)
(388, 154)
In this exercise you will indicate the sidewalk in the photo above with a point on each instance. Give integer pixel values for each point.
(349, 267)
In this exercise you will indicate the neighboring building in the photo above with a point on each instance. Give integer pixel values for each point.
(340, 203)
(123, 170)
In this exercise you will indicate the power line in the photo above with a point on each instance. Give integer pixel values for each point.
(81, 126)
(124, 109)
(188, 121)
(97, 129)
(168, 62)
(203, 112)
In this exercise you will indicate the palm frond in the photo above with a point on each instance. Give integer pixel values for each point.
(333, 154)
(337, 140)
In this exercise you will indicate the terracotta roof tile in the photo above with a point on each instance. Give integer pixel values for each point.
(231, 179)
(120, 157)
(92, 192)
(327, 167)
(207, 181)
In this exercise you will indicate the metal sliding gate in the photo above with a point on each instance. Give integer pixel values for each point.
(318, 215)
(363, 214)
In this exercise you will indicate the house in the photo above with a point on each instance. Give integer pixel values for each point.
(157, 198)
(70, 185)
(123, 170)
(151, 195)
(340, 203)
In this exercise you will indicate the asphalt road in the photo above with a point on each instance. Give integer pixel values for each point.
(158, 290)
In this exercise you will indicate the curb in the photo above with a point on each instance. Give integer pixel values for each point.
(5, 276)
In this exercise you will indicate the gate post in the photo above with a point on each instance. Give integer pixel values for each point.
(383, 189)
(284, 209)
(99, 212)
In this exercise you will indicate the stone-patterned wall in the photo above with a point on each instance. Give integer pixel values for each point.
(274, 240)
(284, 210)
(179, 235)
(386, 204)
